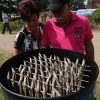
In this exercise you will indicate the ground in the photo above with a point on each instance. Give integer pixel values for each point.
(7, 42)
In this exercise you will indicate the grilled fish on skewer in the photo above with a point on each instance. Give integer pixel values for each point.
(79, 84)
(69, 61)
(40, 60)
(47, 70)
(47, 81)
(77, 61)
(63, 84)
(66, 66)
(82, 65)
(58, 84)
(50, 60)
(83, 62)
(9, 81)
(55, 62)
(68, 78)
(57, 93)
(58, 59)
(53, 93)
(35, 79)
(36, 71)
(25, 65)
(35, 62)
(68, 88)
(37, 89)
(24, 86)
(44, 91)
(55, 75)
(20, 68)
(20, 84)
(45, 57)
(32, 88)
(42, 74)
(29, 72)
(31, 60)
(72, 84)
(22, 71)
(40, 55)
(13, 76)
(31, 65)
(61, 65)
(28, 82)
(14, 84)
(53, 90)
(60, 74)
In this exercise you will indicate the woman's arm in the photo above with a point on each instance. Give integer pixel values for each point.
(17, 51)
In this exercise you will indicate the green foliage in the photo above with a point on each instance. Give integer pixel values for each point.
(96, 16)
(77, 4)
(9, 5)
(44, 16)
(43, 4)
(12, 5)
(0, 26)
(92, 21)
(16, 25)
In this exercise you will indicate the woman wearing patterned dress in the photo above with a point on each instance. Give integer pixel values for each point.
(29, 36)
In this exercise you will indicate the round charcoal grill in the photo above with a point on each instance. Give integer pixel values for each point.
(81, 89)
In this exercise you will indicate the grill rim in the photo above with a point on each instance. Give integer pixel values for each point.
(64, 50)
(51, 98)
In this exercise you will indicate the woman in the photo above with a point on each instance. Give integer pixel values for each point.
(29, 36)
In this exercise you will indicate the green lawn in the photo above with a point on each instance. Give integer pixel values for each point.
(1, 94)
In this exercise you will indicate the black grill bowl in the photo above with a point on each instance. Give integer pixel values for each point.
(83, 94)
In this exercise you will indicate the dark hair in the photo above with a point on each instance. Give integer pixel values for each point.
(27, 8)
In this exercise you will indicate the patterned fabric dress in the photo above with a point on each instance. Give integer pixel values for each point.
(25, 41)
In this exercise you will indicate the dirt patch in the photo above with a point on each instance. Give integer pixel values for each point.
(7, 42)
(96, 42)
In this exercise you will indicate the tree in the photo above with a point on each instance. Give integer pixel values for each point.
(11, 6)
(77, 4)
(93, 4)
(43, 4)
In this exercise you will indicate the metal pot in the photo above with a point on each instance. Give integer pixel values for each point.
(83, 94)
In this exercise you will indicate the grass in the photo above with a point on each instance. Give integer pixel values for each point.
(1, 95)
(3, 57)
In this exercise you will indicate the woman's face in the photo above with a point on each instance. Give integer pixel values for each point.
(32, 24)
